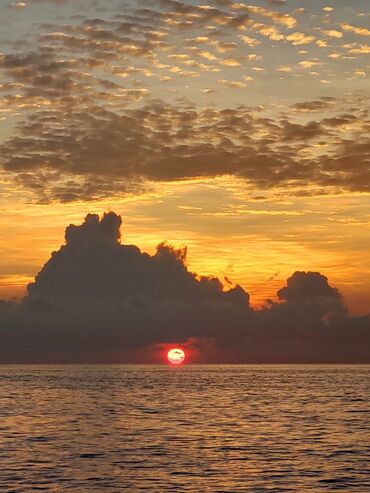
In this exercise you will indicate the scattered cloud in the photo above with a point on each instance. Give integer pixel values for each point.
(19, 5)
(277, 17)
(309, 63)
(298, 38)
(82, 102)
(332, 33)
(362, 31)
(357, 48)
(269, 31)
(285, 68)
(250, 41)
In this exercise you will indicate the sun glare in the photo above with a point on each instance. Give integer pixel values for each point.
(176, 356)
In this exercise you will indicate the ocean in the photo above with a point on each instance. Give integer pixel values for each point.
(193, 428)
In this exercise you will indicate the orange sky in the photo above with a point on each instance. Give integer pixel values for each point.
(256, 243)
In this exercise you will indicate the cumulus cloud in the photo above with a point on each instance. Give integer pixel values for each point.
(313, 294)
(97, 299)
(94, 266)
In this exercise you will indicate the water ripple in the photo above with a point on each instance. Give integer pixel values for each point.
(241, 428)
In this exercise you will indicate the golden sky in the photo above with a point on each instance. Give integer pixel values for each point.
(240, 130)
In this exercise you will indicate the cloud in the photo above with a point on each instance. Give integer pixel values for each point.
(285, 20)
(285, 68)
(312, 291)
(309, 63)
(94, 267)
(110, 153)
(250, 41)
(293, 131)
(316, 105)
(362, 31)
(18, 5)
(276, 2)
(95, 296)
(85, 104)
(232, 84)
(96, 299)
(298, 38)
(332, 33)
(269, 31)
(357, 48)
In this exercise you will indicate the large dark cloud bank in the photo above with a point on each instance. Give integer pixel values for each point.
(97, 300)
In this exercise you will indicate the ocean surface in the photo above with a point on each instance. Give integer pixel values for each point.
(241, 428)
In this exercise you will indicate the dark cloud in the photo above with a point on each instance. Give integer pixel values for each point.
(307, 286)
(99, 300)
(349, 167)
(317, 105)
(158, 141)
(294, 131)
(310, 294)
(109, 273)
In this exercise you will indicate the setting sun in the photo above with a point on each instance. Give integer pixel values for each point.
(176, 356)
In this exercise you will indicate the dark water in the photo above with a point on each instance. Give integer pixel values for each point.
(192, 429)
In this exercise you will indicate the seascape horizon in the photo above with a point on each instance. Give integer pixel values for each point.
(184, 246)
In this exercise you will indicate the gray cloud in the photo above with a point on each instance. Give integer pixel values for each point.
(99, 300)
(164, 142)
(316, 105)
(94, 121)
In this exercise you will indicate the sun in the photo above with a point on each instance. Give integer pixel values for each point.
(176, 356)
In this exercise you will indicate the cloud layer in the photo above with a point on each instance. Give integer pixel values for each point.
(99, 300)
(88, 155)
(97, 104)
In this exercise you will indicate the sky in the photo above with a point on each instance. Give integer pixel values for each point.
(239, 130)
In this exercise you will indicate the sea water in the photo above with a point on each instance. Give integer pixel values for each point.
(209, 428)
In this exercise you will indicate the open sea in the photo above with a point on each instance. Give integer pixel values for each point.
(209, 428)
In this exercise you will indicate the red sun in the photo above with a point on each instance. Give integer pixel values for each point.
(176, 356)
